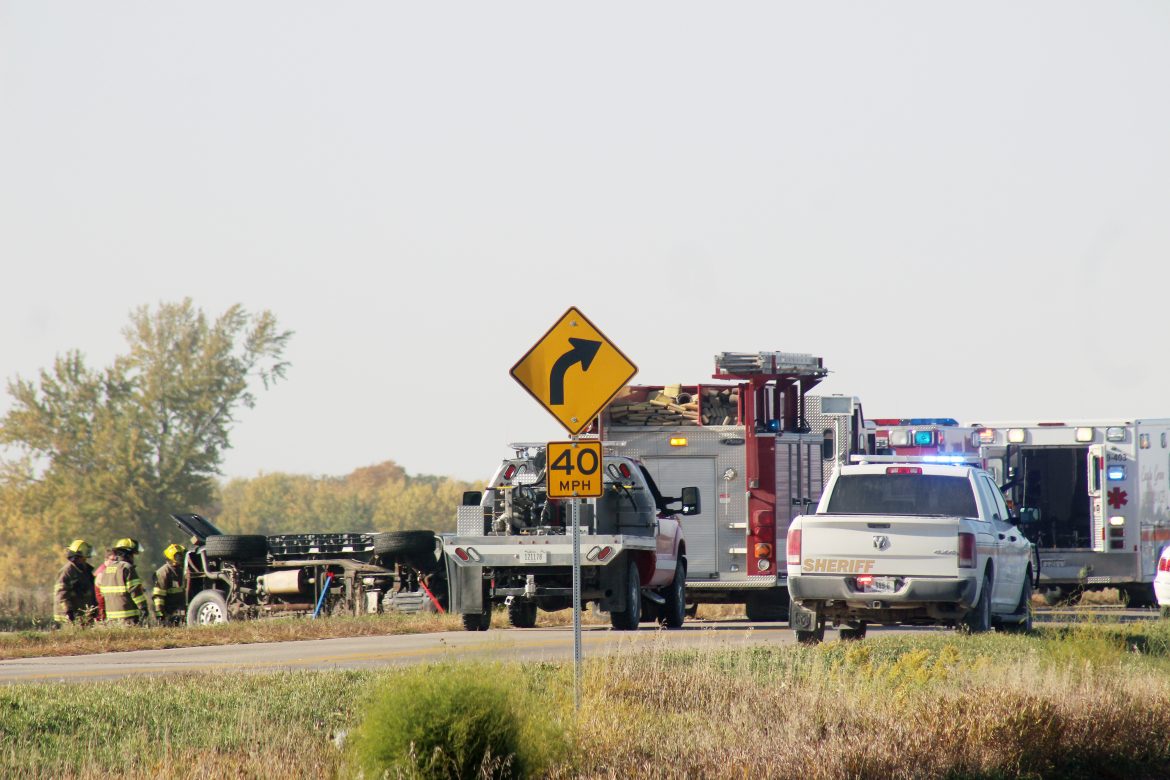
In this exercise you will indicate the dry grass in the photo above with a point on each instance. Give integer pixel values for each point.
(1077, 704)
(1080, 701)
(105, 639)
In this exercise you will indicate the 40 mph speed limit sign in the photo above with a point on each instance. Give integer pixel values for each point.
(574, 469)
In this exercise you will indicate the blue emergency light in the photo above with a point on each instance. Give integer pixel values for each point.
(923, 438)
(1116, 473)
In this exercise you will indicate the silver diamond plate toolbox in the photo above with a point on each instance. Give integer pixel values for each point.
(469, 521)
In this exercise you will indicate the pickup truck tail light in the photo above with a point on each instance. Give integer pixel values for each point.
(1164, 563)
(903, 470)
(794, 547)
(966, 551)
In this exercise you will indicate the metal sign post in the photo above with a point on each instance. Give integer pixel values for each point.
(577, 654)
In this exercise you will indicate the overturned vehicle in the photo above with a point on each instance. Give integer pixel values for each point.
(239, 577)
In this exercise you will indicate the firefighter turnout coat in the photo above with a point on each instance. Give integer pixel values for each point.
(73, 594)
(122, 592)
(169, 599)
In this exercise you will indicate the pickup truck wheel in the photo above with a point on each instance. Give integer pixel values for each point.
(208, 608)
(628, 619)
(978, 619)
(674, 611)
(1023, 611)
(477, 621)
(814, 637)
(851, 632)
(522, 613)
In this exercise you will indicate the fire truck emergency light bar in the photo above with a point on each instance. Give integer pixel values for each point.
(800, 363)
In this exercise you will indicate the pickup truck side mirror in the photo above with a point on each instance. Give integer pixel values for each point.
(691, 504)
(472, 498)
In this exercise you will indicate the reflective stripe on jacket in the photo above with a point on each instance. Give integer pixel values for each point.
(122, 591)
(73, 593)
(168, 590)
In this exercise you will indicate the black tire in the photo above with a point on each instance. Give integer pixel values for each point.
(1140, 596)
(811, 637)
(413, 548)
(767, 607)
(477, 621)
(978, 620)
(522, 613)
(852, 632)
(240, 547)
(208, 608)
(1021, 623)
(692, 611)
(674, 611)
(628, 619)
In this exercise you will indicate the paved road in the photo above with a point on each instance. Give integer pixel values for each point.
(497, 644)
(373, 652)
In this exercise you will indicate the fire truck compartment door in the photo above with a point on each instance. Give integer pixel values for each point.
(699, 533)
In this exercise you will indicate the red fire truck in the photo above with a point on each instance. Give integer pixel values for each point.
(758, 448)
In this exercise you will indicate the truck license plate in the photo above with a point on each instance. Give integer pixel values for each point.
(534, 556)
(882, 585)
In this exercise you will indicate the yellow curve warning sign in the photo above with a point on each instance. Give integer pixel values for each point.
(574, 371)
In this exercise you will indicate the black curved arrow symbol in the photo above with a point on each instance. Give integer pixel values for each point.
(583, 351)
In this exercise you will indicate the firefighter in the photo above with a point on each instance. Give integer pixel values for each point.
(97, 591)
(121, 589)
(73, 594)
(170, 601)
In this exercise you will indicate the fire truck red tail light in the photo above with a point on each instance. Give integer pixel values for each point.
(625, 470)
(763, 550)
(605, 553)
(903, 470)
(794, 547)
(966, 551)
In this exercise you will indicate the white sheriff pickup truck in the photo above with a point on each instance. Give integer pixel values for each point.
(912, 543)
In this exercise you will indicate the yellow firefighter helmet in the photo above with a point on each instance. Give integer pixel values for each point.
(80, 548)
(128, 544)
(174, 552)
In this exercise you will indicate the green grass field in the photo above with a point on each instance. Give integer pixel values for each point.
(1087, 701)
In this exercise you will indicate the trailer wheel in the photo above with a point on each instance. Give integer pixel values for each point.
(241, 546)
(522, 613)
(674, 611)
(628, 619)
(978, 619)
(208, 608)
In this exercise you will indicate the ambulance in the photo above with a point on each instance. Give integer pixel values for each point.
(1094, 496)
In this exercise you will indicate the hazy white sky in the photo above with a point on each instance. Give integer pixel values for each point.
(963, 209)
